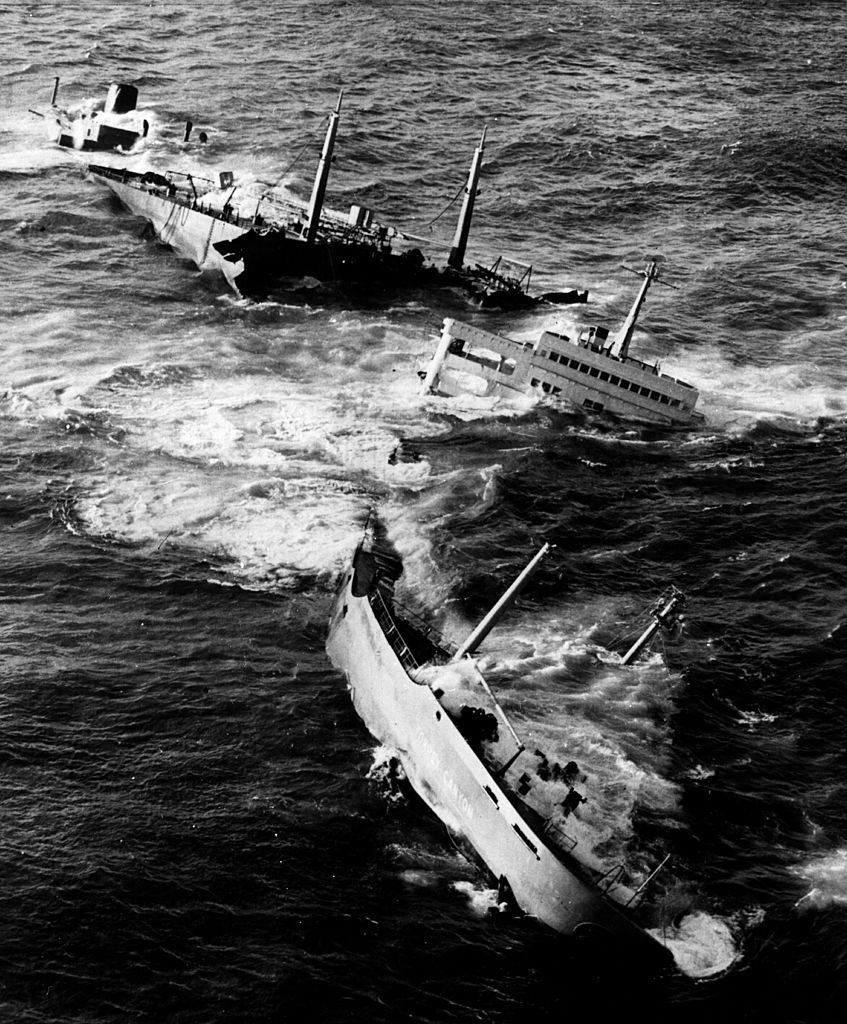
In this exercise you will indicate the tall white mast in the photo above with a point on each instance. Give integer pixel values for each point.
(499, 609)
(460, 240)
(431, 379)
(620, 346)
(313, 217)
(665, 616)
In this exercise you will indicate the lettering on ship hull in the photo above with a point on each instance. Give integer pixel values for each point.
(447, 778)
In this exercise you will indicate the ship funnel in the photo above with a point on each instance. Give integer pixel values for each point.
(456, 258)
(121, 99)
(500, 608)
(313, 217)
(620, 347)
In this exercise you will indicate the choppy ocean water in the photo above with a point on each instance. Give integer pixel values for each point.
(194, 822)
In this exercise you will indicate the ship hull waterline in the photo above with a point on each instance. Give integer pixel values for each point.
(192, 234)
(450, 778)
(257, 263)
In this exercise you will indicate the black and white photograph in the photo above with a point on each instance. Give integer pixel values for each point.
(423, 512)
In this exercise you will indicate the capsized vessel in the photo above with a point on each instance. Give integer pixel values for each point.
(116, 125)
(428, 700)
(589, 370)
(264, 243)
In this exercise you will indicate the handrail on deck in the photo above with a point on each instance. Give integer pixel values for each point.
(420, 625)
(610, 877)
(553, 828)
(390, 631)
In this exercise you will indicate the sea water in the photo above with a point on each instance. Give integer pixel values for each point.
(192, 829)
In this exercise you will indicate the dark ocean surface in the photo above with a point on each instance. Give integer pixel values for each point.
(196, 826)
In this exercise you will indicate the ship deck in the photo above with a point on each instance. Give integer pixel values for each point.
(517, 771)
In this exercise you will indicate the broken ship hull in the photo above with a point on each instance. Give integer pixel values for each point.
(92, 135)
(581, 374)
(117, 126)
(257, 262)
(262, 258)
(192, 233)
(267, 260)
(453, 781)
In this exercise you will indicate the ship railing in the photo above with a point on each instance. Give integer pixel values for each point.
(613, 878)
(194, 187)
(390, 631)
(252, 191)
(639, 892)
(554, 830)
(647, 367)
(429, 632)
(491, 362)
(519, 279)
(209, 183)
(385, 618)
(376, 235)
(609, 879)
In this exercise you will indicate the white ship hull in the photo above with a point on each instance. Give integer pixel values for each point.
(191, 233)
(452, 780)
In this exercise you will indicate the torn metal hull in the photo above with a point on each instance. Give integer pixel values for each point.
(256, 259)
(264, 248)
(451, 778)
(270, 259)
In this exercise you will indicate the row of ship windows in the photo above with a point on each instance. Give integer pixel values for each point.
(592, 371)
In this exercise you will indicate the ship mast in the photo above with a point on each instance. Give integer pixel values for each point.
(499, 609)
(620, 346)
(665, 616)
(313, 217)
(456, 258)
(431, 379)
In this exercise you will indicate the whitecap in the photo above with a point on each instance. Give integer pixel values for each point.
(702, 946)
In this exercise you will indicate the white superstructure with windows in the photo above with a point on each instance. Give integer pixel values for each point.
(589, 371)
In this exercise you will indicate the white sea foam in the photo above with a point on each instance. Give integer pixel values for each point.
(826, 875)
(789, 395)
(702, 945)
(481, 901)
(26, 160)
(267, 476)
